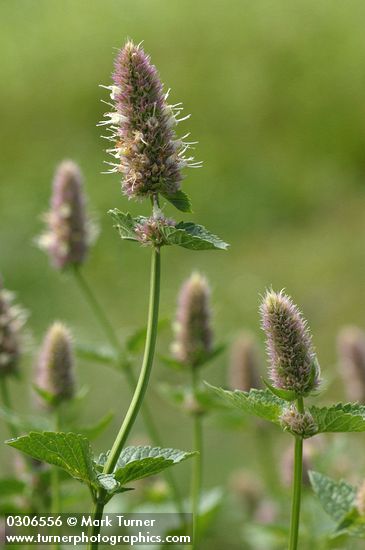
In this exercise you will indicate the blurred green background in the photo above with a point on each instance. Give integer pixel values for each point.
(276, 92)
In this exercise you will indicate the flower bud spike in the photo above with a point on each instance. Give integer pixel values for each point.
(55, 367)
(12, 320)
(68, 234)
(293, 362)
(193, 332)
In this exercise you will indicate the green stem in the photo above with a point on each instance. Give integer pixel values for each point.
(110, 333)
(142, 383)
(147, 363)
(297, 485)
(94, 531)
(55, 482)
(197, 467)
(5, 396)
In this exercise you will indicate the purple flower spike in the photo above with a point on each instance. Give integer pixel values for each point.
(142, 128)
(193, 332)
(12, 319)
(67, 238)
(289, 345)
(55, 366)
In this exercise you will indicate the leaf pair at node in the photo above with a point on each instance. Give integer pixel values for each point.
(185, 234)
(72, 453)
(337, 418)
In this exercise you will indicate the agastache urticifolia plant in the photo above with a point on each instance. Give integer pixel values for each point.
(150, 158)
(192, 346)
(55, 384)
(67, 239)
(294, 376)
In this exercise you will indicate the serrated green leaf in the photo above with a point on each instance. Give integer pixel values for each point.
(180, 200)
(99, 354)
(68, 451)
(261, 403)
(124, 223)
(10, 487)
(192, 236)
(287, 395)
(92, 432)
(339, 418)
(336, 497)
(144, 461)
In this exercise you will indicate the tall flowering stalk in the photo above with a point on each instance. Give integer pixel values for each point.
(192, 345)
(294, 372)
(295, 375)
(55, 384)
(150, 158)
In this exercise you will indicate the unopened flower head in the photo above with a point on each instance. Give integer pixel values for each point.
(289, 344)
(142, 128)
(149, 231)
(244, 372)
(68, 233)
(12, 320)
(55, 367)
(351, 351)
(297, 423)
(360, 499)
(193, 332)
